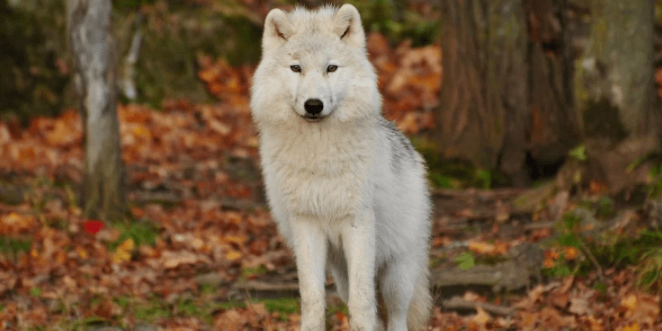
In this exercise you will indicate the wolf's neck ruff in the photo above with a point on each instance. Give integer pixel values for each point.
(326, 148)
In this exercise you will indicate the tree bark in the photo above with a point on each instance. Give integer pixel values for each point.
(506, 98)
(94, 51)
(616, 93)
(554, 126)
(483, 99)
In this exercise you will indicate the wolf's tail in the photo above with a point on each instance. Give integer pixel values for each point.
(421, 303)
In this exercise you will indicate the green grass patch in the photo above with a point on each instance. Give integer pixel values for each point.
(255, 271)
(123, 302)
(142, 233)
(649, 269)
(35, 292)
(454, 174)
(151, 313)
(230, 305)
(281, 305)
(208, 289)
(14, 245)
(617, 250)
(643, 251)
(655, 182)
(189, 308)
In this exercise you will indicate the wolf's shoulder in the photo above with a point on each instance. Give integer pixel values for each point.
(400, 148)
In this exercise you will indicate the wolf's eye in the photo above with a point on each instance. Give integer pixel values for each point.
(331, 68)
(296, 68)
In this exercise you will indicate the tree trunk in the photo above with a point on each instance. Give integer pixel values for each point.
(615, 91)
(506, 98)
(483, 100)
(554, 126)
(94, 52)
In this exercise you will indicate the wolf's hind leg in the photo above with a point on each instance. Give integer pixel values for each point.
(397, 283)
(339, 273)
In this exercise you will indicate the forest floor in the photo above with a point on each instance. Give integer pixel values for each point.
(200, 251)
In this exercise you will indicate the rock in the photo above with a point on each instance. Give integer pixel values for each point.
(525, 262)
(145, 327)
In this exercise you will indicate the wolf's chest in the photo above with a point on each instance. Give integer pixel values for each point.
(314, 189)
(316, 171)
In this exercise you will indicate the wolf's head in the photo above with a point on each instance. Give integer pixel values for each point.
(314, 67)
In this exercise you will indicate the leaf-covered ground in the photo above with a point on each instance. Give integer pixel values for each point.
(201, 252)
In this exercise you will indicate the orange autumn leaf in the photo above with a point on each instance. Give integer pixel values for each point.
(123, 251)
(570, 253)
(233, 255)
(208, 75)
(552, 255)
(596, 187)
(485, 248)
(629, 302)
(15, 223)
(631, 327)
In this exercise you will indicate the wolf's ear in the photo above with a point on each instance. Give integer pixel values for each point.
(347, 25)
(277, 29)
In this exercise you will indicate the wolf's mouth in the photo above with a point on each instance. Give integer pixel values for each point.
(312, 118)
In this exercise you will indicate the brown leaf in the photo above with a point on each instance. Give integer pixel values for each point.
(230, 320)
(173, 259)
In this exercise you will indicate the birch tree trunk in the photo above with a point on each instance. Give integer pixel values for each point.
(94, 51)
(615, 91)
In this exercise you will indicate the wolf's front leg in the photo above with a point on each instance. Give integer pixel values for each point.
(359, 245)
(310, 250)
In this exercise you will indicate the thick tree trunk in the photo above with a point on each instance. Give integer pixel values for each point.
(483, 103)
(506, 89)
(615, 91)
(93, 48)
(554, 126)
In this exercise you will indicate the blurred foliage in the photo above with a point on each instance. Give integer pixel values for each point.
(174, 36)
(37, 79)
(455, 174)
(397, 24)
(34, 75)
(142, 233)
(129, 5)
(655, 186)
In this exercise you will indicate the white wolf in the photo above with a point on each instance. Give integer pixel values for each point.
(345, 187)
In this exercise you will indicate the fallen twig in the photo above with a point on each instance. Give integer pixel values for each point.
(587, 252)
(457, 303)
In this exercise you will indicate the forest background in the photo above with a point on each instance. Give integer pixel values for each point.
(540, 122)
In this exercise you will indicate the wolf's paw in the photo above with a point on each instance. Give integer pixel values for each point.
(363, 324)
(308, 326)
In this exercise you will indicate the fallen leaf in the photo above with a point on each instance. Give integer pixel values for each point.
(631, 327)
(230, 320)
(578, 306)
(123, 251)
(93, 226)
(173, 259)
(481, 317)
(570, 253)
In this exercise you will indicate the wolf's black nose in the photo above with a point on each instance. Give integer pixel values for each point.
(313, 106)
